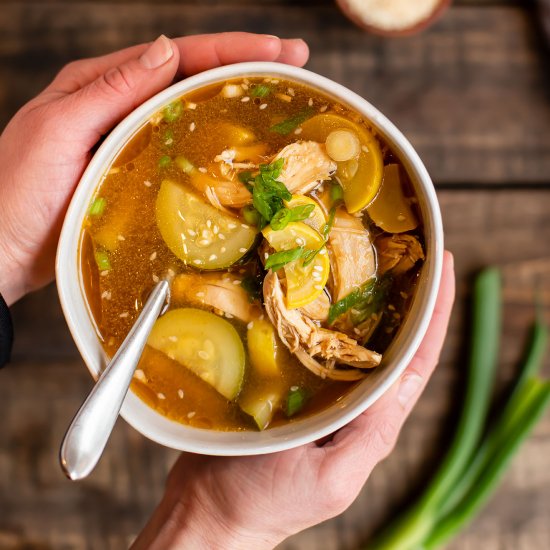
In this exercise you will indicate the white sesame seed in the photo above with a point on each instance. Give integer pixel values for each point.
(266, 255)
(242, 250)
(323, 251)
(192, 233)
(171, 273)
(323, 108)
(391, 307)
(236, 282)
(318, 268)
(298, 131)
(316, 276)
(300, 241)
(203, 170)
(228, 315)
(216, 230)
(200, 295)
(192, 106)
(104, 273)
(293, 388)
(365, 149)
(140, 375)
(173, 338)
(155, 278)
(263, 106)
(192, 127)
(191, 414)
(223, 249)
(180, 394)
(106, 295)
(208, 223)
(161, 396)
(212, 257)
(203, 355)
(310, 102)
(290, 91)
(404, 295)
(120, 238)
(169, 141)
(147, 183)
(197, 262)
(231, 225)
(204, 242)
(153, 257)
(221, 236)
(401, 217)
(244, 225)
(124, 314)
(185, 250)
(245, 99)
(317, 287)
(250, 325)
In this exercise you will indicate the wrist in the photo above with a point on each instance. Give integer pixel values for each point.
(186, 524)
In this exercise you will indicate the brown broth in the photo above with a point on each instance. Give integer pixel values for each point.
(126, 231)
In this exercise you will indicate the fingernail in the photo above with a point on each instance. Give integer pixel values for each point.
(408, 388)
(157, 54)
(450, 258)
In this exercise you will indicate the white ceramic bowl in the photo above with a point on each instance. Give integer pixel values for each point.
(169, 433)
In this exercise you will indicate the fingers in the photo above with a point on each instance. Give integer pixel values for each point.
(369, 438)
(196, 53)
(98, 106)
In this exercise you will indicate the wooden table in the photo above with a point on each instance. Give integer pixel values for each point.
(473, 96)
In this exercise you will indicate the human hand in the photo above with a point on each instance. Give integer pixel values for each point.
(46, 146)
(258, 501)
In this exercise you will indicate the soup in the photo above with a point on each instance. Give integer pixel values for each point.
(292, 240)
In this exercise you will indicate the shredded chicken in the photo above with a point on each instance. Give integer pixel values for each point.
(306, 166)
(398, 253)
(216, 291)
(228, 192)
(318, 309)
(307, 340)
(351, 254)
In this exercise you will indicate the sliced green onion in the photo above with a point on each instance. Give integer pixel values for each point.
(261, 90)
(102, 260)
(97, 207)
(184, 164)
(164, 161)
(336, 192)
(280, 259)
(290, 124)
(172, 111)
(251, 215)
(295, 401)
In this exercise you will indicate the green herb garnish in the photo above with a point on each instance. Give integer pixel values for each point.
(279, 259)
(295, 401)
(164, 161)
(286, 215)
(172, 111)
(97, 207)
(290, 124)
(360, 295)
(184, 164)
(251, 215)
(102, 260)
(168, 137)
(261, 90)
(336, 192)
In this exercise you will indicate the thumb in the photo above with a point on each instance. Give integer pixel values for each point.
(94, 109)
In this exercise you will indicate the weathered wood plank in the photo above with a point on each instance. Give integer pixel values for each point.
(472, 93)
(41, 390)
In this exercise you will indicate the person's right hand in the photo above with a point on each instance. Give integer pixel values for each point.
(48, 143)
(255, 502)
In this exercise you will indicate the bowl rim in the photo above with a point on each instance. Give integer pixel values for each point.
(211, 442)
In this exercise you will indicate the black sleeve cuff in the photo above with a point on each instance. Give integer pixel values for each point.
(6, 333)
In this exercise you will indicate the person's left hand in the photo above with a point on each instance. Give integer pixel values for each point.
(46, 146)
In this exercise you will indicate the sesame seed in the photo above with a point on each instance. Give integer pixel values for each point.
(192, 233)
(192, 127)
(221, 236)
(185, 250)
(266, 255)
(316, 276)
(228, 315)
(173, 338)
(404, 295)
(396, 316)
(191, 414)
(180, 394)
(200, 295)
(182, 235)
(140, 375)
(197, 262)
(223, 249)
(310, 102)
(298, 131)
(300, 241)
(391, 307)
(203, 355)
(231, 225)
(106, 295)
(242, 250)
(216, 230)
(317, 287)
(250, 325)
(365, 148)
(323, 251)
(192, 106)
(169, 141)
(153, 257)
(245, 99)
(208, 223)
(401, 217)
(263, 106)
(124, 314)
(147, 183)
(103, 273)
(203, 170)
(161, 396)
(318, 268)
(121, 238)
(323, 108)
(212, 257)
(171, 273)
(293, 388)
(236, 282)
(155, 278)
(204, 242)
(244, 225)
(290, 91)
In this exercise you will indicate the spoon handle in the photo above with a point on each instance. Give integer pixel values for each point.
(90, 429)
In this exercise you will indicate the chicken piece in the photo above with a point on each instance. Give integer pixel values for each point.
(318, 309)
(218, 292)
(398, 253)
(306, 340)
(228, 192)
(351, 254)
(306, 166)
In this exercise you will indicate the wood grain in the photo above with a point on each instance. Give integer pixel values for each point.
(43, 387)
(471, 93)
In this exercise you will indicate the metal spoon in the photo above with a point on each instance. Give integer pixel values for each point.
(90, 429)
